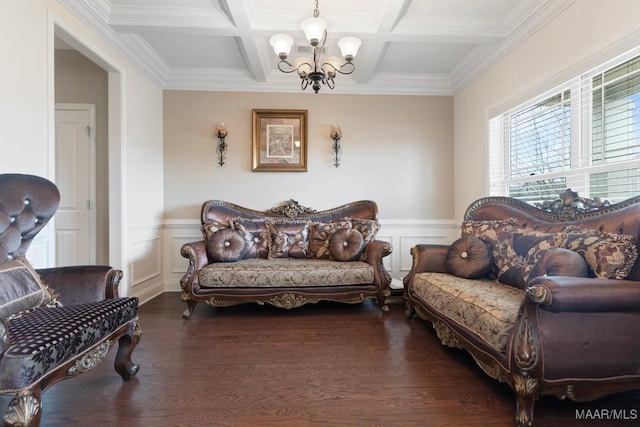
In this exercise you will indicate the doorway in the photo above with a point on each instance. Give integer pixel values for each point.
(75, 224)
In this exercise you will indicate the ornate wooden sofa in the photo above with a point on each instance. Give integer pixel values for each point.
(283, 256)
(557, 310)
(55, 323)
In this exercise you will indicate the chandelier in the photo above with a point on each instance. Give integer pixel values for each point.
(314, 71)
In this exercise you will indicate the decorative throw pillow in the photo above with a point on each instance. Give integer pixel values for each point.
(256, 234)
(20, 288)
(497, 234)
(529, 246)
(346, 244)
(319, 235)
(210, 227)
(226, 245)
(288, 239)
(367, 227)
(469, 257)
(609, 255)
(560, 262)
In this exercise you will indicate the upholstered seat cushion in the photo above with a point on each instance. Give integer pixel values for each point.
(285, 272)
(485, 307)
(48, 337)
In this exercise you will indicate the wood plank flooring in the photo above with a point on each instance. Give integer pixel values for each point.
(324, 365)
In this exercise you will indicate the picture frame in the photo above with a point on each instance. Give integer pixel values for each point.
(279, 140)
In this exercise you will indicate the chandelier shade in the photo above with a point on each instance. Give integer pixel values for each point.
(316, 71)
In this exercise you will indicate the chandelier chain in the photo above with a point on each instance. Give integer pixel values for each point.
(316, 11)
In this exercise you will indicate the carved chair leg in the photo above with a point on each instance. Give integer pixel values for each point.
(191, 305)
(127, 343)
(24, 410)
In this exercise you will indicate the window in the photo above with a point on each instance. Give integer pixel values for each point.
(583, 135)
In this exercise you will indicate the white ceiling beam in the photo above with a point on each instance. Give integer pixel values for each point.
(254, 56)
(373, 49)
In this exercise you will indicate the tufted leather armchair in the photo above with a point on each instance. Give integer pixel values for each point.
(47, 344)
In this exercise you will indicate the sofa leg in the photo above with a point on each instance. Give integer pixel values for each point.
(526, 396)
(24, 410)
(191, 305)
(127, 343)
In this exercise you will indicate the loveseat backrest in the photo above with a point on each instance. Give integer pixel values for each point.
(569, 209)
(220, 211)
(27, 203)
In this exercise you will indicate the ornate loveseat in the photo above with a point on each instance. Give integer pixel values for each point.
(55, 323)
(554, 311)
(287, 256)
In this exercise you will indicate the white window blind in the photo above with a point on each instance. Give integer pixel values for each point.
(583, 135)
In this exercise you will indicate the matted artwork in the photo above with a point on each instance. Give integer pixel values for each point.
(280, 140)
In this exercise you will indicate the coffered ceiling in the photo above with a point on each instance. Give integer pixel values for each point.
(415, 47)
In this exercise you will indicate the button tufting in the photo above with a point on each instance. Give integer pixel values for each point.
(26, 201)
(464, 255)
(227, 243)
(12, 219)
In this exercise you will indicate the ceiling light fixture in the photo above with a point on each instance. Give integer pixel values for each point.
(315, 71)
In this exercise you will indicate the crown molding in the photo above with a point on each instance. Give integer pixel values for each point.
(95, 14)
(524, 21)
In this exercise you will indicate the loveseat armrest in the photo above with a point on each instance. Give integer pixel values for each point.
(196, 253)
(376, 250)
(586, 295)
(427, 258)
(83, 283)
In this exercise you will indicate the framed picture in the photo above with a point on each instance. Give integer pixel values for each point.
(280, 140)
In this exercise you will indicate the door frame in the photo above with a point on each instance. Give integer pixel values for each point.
(93, 232)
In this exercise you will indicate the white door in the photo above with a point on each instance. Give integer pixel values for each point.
(75, 221)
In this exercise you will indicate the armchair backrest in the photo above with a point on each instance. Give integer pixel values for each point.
(569, 209)
(27, 203)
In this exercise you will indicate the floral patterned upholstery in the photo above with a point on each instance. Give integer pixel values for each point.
(287, 272)
(48, 337)
(489, 310)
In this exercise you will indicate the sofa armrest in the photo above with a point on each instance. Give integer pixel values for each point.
(82, 284)
(427, 258)
(375, 251)
(579, 294)
(196, 253)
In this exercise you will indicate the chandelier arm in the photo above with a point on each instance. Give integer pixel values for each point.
(330, 83)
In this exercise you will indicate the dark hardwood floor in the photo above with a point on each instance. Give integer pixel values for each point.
(321, 365)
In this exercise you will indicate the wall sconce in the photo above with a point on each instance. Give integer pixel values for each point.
(336, 134)
(221, 133)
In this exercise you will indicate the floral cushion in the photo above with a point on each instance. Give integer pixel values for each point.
(256, 234)
(47, 338)
(484, 307)
(212, 226)
(226, 245)
(319, 235)
(367, 227)
(346, 245)
(469, 257)
(285, 272)
(288, 239)
(20, 288)
(609, 255)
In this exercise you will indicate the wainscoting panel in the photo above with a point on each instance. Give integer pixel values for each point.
(403, 234)
(145, 268)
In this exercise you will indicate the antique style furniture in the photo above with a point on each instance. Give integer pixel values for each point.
(287, 256)
(55, 323)
(548, 301)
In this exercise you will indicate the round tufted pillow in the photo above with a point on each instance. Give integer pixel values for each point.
(469, 257)
(346, 244)
(226, 245)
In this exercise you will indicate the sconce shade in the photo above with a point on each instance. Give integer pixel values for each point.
(349, 47)
(314, 29)
(281, 44)
(336, 131)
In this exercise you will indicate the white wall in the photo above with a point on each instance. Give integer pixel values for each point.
(582, 36)
(26, 120)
